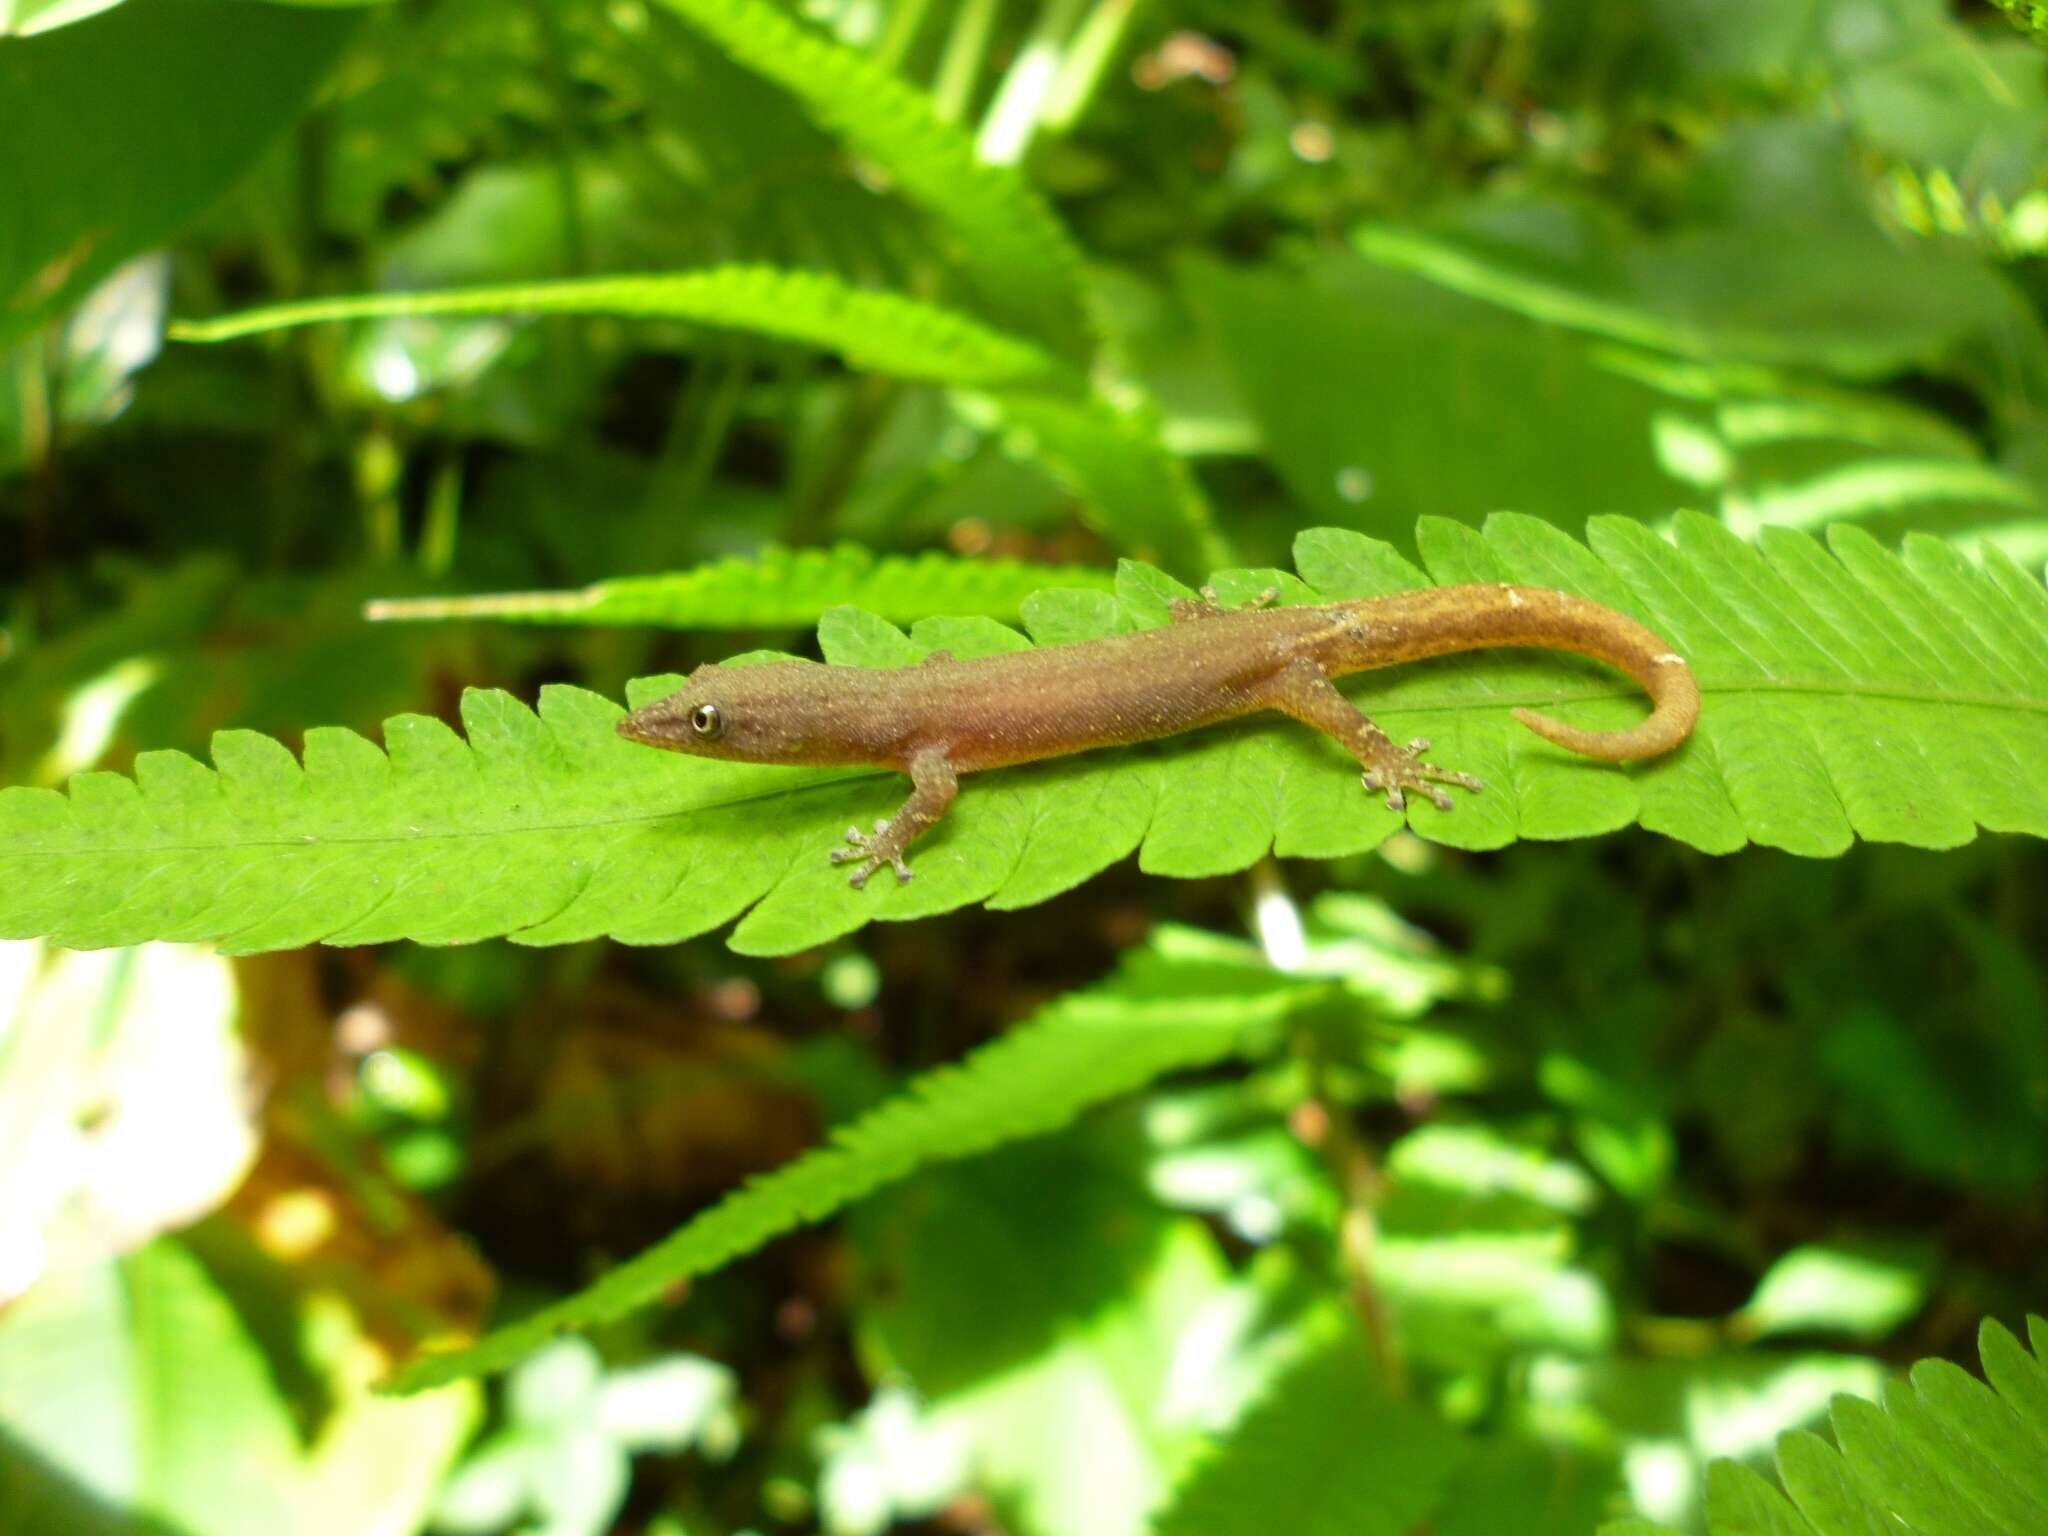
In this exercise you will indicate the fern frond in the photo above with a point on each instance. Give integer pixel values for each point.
(885, 332)
(1187, 1000)
(1852, 693)
(774, 589)
(1025, 268)
(1946, 1455)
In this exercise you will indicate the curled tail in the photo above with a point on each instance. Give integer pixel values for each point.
(1481, 615)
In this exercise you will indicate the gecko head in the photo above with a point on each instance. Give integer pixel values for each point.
(723, 711)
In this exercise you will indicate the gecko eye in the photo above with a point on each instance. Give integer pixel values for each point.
(706, 721)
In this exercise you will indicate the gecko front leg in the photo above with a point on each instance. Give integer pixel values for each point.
(1304, 690)
(933, 786)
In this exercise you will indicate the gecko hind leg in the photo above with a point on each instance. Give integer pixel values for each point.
(1304, 692)
(933, 786)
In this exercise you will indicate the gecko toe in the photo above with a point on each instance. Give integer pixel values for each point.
(1400, 771)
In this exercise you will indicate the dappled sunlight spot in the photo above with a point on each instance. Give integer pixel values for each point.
(393, 372)
(114, 1131)
(1742, 1418)
(295, 1224)
(92, 714)
(1663, 1479)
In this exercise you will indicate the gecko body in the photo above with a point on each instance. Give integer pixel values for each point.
(942, 718)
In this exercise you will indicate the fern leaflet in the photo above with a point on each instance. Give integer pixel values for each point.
(1849, 694)
(775, 588)
(884, 332)
(1945, 1455)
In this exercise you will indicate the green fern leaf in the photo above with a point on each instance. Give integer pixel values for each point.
(1025, 269)
(1945, 1455)
(774, 589)
(1848, 694)
(885, 332)
(1187, 1000)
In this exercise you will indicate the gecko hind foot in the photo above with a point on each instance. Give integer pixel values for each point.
(1404, 770)
(873, 851)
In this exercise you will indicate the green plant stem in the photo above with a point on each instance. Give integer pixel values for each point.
(1276, 917)
(1360, 1187)
(1013, 117)
(1096, 46)
(859, 420)
(961, 60)
(906, 21)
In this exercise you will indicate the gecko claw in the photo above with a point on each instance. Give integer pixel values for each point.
(873, 851)
(1404, 770)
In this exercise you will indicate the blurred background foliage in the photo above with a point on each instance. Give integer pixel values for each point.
(1602, 1162)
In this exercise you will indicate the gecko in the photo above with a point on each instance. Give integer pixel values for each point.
(940, 718)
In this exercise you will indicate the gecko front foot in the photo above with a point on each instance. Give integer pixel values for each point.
(872, 852)
(1400, 769)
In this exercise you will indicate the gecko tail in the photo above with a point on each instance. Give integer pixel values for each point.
(1675, 698)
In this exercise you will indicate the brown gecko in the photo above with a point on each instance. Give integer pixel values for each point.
(942, 718)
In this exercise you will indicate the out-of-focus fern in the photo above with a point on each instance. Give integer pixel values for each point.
(882, 331)
(1139, 494)
(776, 588)
(2030, 16)
(1186, 1001)
(1852, 693)
(1945, 1456)
(1025, 269)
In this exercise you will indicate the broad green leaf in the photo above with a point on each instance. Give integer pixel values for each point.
(1380, 399)
(1182, 1003)
(1024, 268)
(1850, 692)
(885, 332)
(1328, 1453)
(114, 132)
(140, 1386)
(1841, 297)
(1089, 1336)
(774, 589)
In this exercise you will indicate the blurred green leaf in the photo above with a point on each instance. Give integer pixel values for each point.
(118, 130)
(884, 332)
(1327, 1453)
(1024, 268)
(139, 1384)
(1064, 1378)
(1380, 400)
